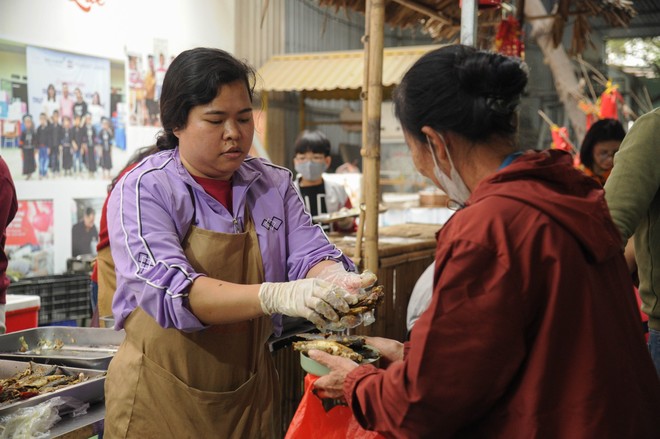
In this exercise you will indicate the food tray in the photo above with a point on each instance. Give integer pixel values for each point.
(88, 391)
(90, 348)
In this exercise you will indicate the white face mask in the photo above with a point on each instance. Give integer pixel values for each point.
(453, 185)
(310, 170)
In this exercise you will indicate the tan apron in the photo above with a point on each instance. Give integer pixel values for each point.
(105, 269)
(215, 383)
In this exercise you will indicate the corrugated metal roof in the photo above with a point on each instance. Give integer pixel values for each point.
(333, 75)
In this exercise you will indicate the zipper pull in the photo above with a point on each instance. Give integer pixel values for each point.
(235, 221)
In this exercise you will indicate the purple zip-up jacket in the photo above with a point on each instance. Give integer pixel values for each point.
(150, 211)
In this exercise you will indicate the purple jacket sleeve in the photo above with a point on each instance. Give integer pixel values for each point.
(152, 270)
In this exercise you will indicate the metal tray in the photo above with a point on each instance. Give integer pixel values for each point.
(90, 348)
(88, 391)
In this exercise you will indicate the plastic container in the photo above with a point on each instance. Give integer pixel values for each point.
(63, 297)
(22, 312)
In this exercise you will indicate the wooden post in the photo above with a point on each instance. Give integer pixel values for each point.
(469, 22)
(371, 157)
(357, 254)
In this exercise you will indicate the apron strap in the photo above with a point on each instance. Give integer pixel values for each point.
(194, 206)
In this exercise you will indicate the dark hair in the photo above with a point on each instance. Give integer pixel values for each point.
(137, 156)
(90, 211)
(314, 141)
(601, 131)
(51, 87)
(193, 78)
(459, 88)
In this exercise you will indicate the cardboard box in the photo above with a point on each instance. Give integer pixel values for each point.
(21, 312)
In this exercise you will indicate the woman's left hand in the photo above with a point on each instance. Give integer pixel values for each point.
(332, 385)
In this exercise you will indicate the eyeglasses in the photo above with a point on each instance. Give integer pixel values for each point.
(604, 155)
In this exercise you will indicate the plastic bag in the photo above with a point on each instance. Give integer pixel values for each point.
(36, 421)
(312, 420)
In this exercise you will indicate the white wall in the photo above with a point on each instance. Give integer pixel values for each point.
(107, 31)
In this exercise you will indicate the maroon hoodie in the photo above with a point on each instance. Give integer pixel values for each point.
(8, 207)
(533, 330)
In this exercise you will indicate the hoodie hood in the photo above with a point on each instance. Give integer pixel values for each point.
(548, 181)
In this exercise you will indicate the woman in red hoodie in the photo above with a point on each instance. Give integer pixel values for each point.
(533, 329)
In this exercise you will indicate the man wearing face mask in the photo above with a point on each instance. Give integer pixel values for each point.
(312, 158)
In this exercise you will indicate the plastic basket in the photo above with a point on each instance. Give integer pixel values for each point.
(63, 297)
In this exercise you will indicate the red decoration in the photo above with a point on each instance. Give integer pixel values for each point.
(609, 101)
(590, 110)
(509, 38)
(559, 134)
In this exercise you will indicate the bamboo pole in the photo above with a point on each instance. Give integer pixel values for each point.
(357, 254)
(372, 153)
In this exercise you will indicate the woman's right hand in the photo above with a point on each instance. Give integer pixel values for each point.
(314, 299)
(390, 350)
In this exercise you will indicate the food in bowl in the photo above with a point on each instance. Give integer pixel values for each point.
(351, 347)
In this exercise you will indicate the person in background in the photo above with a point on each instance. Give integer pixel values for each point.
(51, 103)
(43, 144)
(312, 158)
(420, 298)
(103, 281)
(633, 197)
(600, 144)
(79, 106)
(160, 76)
(79, 143)
(84, 233)
(207, 244)
(66, 146)
(55, 136)
(66, 103)
(89, 145)
(96, 110)
(533, 328)
(8, 208)
(27, 143)
(151, 113)
(106, 138)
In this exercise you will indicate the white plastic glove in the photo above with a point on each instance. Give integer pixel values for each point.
(314, 299)
(351, 282)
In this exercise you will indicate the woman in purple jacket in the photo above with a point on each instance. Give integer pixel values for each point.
(207, 243)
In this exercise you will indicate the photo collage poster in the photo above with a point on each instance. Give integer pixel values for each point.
(145, 73)
(65, 129)
(86, 220)
(29, 244)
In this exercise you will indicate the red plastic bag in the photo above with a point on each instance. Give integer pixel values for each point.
(311, 419)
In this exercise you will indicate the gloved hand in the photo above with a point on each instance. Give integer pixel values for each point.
(351, 282)
(314, 299)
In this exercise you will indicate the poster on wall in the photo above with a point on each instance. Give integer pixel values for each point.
(67, 132)
(29, 244)
(86, 220)
(145, 75)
